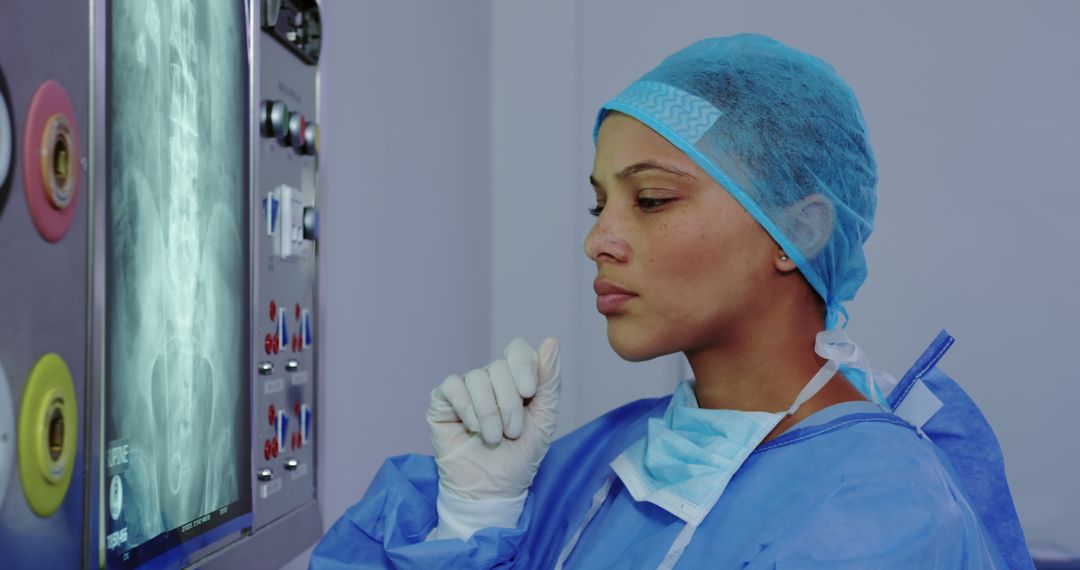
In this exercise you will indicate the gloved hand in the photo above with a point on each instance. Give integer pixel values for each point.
(490, 429)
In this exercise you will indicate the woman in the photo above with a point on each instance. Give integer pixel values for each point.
(735, 188)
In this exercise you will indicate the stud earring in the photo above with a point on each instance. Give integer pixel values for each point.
(783, 257)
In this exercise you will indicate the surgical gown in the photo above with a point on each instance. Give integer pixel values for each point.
(850, 487)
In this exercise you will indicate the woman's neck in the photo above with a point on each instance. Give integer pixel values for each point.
(764, 366)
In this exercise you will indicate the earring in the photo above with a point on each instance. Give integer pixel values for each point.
(783, 257)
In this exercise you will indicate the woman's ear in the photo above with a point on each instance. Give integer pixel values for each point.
(782, 261)
(810, 223)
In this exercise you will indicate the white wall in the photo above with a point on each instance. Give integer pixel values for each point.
(405, 246)
(972, 112)
(541, 159)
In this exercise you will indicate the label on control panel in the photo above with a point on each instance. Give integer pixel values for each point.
(274, 386)
(290, 243)
(267, 489)
(300, 471)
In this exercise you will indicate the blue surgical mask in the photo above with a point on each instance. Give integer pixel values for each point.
(688, 457)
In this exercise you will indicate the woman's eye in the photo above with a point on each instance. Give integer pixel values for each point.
(652, 203)
(595, 210)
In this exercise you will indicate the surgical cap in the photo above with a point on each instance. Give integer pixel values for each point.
(774, 127)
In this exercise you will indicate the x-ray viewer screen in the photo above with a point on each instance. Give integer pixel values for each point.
(176, 396)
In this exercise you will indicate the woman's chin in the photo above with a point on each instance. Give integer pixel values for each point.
(633, 348)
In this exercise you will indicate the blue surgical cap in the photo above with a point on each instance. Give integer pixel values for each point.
(781, 132)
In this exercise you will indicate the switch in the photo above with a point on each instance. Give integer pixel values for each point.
(282, 429)
(266, 368)
(283, 329)
(292, 365)
(291, 464)
(306, 328)
(305, 423)
(271, 204)
(265, 474)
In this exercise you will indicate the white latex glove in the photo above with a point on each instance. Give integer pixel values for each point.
(490, 429)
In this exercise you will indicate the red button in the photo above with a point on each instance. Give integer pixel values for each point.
(267, 451)
(273, 310)
(296, 408)
(277, 344)
(298, 311)
(274, 447)
(268, 344)
(272, 414)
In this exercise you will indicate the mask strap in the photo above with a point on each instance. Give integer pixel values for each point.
(837, 348)
(678, 547)
(597, 502)
(837, 345)
(815, 385)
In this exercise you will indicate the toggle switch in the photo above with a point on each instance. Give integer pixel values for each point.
(292, 365)
(306, 329)
(283, 329)
(266, 368)
(291, 464)
(271, 204)
(305, 424)
(282, 428)
(265, 474)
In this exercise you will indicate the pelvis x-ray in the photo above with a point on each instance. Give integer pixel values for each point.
(176, 263)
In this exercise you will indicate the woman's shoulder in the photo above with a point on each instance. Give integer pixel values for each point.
(875, 477)
(865, 457)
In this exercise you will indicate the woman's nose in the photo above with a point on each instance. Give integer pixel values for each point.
(605, 243)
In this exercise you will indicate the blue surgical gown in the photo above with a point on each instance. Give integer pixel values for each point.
(850, 487)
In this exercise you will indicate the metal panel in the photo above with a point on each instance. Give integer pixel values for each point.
(289, 178)
(43, 302)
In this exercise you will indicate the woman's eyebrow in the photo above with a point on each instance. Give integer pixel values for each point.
(644, 166)
(648, 165)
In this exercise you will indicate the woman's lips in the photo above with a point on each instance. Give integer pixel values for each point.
(610, 297)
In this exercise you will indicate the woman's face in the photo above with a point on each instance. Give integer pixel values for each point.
(697, 266)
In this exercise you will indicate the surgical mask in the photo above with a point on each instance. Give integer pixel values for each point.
(688, 457)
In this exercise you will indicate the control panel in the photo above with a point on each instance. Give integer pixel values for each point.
(285, 259)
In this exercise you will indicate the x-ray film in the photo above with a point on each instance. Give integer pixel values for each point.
(176, 417)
